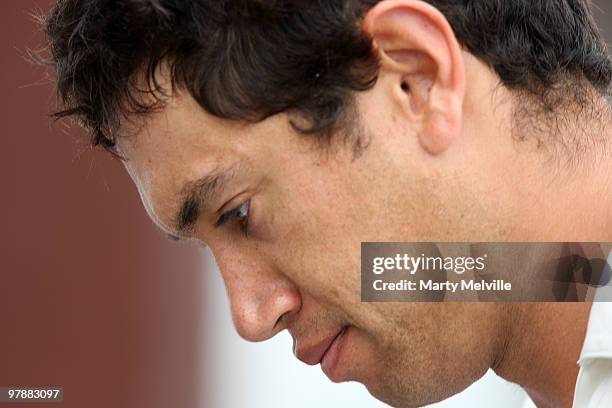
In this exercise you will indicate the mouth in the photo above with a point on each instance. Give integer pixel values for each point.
(326, 353)
(330, 362)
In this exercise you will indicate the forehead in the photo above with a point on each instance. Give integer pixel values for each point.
(181, 143)
(167, 149)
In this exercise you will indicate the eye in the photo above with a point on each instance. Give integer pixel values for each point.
(240, 215)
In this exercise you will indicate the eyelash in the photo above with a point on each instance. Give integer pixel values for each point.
(239, 214)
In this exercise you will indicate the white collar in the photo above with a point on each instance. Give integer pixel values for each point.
(598, 340)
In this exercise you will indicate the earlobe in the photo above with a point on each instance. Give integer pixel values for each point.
(419, 52)
(441, 128)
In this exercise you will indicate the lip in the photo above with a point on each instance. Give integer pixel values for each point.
(330, 361)
(314, 354)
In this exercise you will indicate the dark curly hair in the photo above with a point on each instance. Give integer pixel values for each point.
(250, 59)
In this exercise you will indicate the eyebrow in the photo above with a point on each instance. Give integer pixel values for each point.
(196, 195)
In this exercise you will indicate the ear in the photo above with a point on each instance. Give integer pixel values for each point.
(423, 68)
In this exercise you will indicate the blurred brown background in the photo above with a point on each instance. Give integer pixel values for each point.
(92, 297)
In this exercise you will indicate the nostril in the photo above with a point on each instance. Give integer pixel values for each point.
(262, 309)
(280, 320)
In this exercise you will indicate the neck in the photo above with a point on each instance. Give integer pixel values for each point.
(543, 347)
(572, 194)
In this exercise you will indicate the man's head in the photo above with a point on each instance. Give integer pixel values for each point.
(282, 134)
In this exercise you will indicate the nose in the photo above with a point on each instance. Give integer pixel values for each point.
(262, 300)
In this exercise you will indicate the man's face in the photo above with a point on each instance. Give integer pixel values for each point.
(285, 220)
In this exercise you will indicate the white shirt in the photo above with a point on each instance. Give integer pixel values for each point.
(594, 384)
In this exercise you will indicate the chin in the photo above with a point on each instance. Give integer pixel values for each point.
(399, 394)
(396, 401)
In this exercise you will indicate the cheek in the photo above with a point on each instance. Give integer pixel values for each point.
(324, 264)
(320, 224)
(316, 238)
